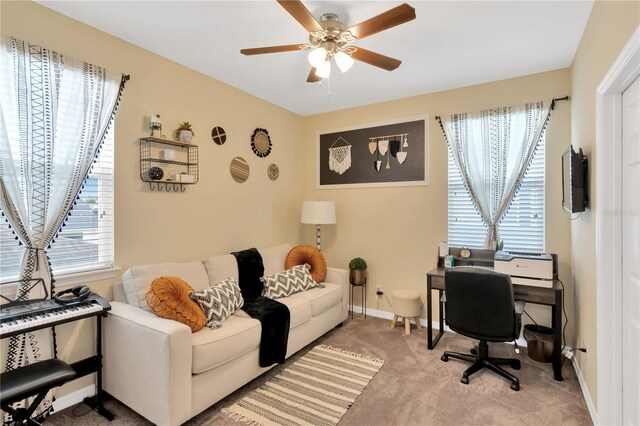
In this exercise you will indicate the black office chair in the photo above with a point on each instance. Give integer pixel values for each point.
(479, 304)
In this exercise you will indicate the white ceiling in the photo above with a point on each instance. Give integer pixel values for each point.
(450, 44)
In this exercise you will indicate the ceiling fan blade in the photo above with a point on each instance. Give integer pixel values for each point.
(392, 17)
(313, 78)
(272, 49)
(375, 59)
(301, 14)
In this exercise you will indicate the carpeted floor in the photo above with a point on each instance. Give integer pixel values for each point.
(414, 387)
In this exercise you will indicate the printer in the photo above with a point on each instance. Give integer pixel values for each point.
(533, 269)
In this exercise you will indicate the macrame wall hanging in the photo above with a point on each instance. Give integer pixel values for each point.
(389, 146)
(340, 156)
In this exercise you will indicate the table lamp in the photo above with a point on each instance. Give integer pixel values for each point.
(318, 213)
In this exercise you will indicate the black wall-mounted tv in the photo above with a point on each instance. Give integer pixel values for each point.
(575, 197)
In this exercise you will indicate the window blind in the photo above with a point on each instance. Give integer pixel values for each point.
(85, 243)
(522, 227)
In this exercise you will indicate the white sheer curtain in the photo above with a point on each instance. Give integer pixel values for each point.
(54, 113)
(492, 149)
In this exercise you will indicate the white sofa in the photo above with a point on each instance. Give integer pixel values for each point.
(168, 374)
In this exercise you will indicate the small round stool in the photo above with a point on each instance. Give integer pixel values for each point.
(406, 304)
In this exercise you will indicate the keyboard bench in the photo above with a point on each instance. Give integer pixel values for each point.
(33, 379)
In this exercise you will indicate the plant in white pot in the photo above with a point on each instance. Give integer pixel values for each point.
(358, 271)
(184, 133)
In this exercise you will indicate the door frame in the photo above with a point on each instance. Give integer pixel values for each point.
(608, 209)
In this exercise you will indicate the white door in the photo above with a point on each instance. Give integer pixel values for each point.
(631, 254)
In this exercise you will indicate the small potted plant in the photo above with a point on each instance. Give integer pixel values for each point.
(184, 133)
(358, 271)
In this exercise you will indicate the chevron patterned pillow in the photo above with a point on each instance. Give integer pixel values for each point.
(219, 301)
(286, 283)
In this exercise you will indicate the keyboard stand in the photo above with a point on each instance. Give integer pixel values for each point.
(89, 365)
(94, 365)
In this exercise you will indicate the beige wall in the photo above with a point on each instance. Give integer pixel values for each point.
(610, 25)
(215, 216)
(397, 229)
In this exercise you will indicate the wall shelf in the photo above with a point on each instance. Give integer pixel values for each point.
(186, 162)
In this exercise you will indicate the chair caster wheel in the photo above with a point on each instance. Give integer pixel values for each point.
(515, 386)
(445, 358)
(464, 380)
(515, 365)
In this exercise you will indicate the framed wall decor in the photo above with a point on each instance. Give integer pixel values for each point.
(392, 153)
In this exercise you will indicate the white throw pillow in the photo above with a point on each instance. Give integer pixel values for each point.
(273, 258)
(286, 283)
(219, 301)
(137, 278)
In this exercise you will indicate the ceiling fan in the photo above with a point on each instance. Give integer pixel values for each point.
(329, 39)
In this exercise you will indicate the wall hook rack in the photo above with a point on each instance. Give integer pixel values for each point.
(167, 186)
(183, 161)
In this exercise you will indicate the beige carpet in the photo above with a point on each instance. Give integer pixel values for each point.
(413, 388)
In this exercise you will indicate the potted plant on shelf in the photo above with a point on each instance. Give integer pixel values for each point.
(358, 271)
(184, 133)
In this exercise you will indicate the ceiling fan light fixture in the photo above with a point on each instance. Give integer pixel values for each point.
(324, 69)
(343, 61)
(317, 56)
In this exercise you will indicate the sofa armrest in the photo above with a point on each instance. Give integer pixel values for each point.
(341, 277)
(147, 363)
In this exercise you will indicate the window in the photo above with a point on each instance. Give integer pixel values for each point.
(522, 227)
(85, 243)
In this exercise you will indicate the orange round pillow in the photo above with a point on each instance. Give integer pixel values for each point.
(299, 255)
(169, 298)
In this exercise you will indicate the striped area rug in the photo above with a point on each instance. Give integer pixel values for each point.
(315, 390)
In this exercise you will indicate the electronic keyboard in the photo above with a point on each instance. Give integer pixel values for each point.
(24, 316)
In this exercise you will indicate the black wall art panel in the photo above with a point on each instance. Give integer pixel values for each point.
(387, 154)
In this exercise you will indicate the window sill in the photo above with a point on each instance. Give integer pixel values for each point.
(86, 277)
(67, 280)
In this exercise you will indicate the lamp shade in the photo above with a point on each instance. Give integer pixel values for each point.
(324, 69)
(318, 212)
(317, 56)
(343, 61)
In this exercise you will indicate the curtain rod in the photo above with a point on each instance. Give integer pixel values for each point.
(553, 102)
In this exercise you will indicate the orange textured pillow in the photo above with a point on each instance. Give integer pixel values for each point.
(168, 297)
(299, 255)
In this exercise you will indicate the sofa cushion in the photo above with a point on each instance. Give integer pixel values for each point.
(212, 348)
(168, 297)
(221, 267)
(286, 283)
(137, 278)
(322, 299)
(299, 309)
(219, 301)
(273, 258)
(299, 255)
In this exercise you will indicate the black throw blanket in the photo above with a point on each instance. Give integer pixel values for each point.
(273, 316)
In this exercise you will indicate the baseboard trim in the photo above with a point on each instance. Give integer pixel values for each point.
(73, 398)
(389, 315)
(585, 392)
